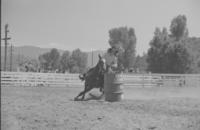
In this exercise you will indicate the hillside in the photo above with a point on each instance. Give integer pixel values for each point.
(28, 51)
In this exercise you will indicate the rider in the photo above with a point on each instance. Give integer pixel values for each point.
(111, 59)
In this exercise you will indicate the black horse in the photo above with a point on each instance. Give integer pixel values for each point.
(94, 78)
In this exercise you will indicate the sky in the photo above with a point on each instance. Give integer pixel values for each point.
(84, 24)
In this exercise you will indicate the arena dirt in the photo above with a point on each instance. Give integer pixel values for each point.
(53, 108)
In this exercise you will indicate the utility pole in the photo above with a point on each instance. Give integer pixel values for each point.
(6, 43)
(18, 62)
(92, 58)
(18, 59)
(11, 56)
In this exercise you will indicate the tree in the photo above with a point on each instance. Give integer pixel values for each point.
(156, 53)
(29, 65)
(71, 64)
(75, 69)
(141, 63)
(64, 61)
(178, 27)
(44, 60)
(179, 58)
(124, 37)
(168, 54)
(50, 60)
(55, 57)
(193, 46)
(78, 61)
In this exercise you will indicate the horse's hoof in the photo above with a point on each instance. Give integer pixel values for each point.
(78, 99)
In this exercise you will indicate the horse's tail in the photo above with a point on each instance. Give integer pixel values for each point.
(82, 77)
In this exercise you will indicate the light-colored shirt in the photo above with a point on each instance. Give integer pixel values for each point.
(111, 60)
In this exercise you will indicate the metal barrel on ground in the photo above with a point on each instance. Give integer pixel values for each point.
(113, 87)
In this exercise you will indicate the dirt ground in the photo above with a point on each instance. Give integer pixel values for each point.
(53, 108)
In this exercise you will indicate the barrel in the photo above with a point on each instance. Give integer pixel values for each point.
(113, 87)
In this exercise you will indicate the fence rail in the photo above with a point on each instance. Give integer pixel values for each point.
(164, 80)
(132, 80)
(38, 79)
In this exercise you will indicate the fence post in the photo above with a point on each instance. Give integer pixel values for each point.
(143, 80)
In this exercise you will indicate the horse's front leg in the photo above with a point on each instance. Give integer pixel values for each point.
(102, 92)
(101, 89)
(83, 96)
(81, 93)
(87, 89)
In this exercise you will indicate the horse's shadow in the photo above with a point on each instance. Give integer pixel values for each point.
(91, 97)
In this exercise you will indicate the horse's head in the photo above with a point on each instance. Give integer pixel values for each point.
(101, 64)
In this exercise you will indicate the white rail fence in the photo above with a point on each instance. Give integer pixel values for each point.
(132, 80)
(162, 80)
(38, 79)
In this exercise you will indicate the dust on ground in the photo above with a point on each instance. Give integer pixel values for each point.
(53, 108)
